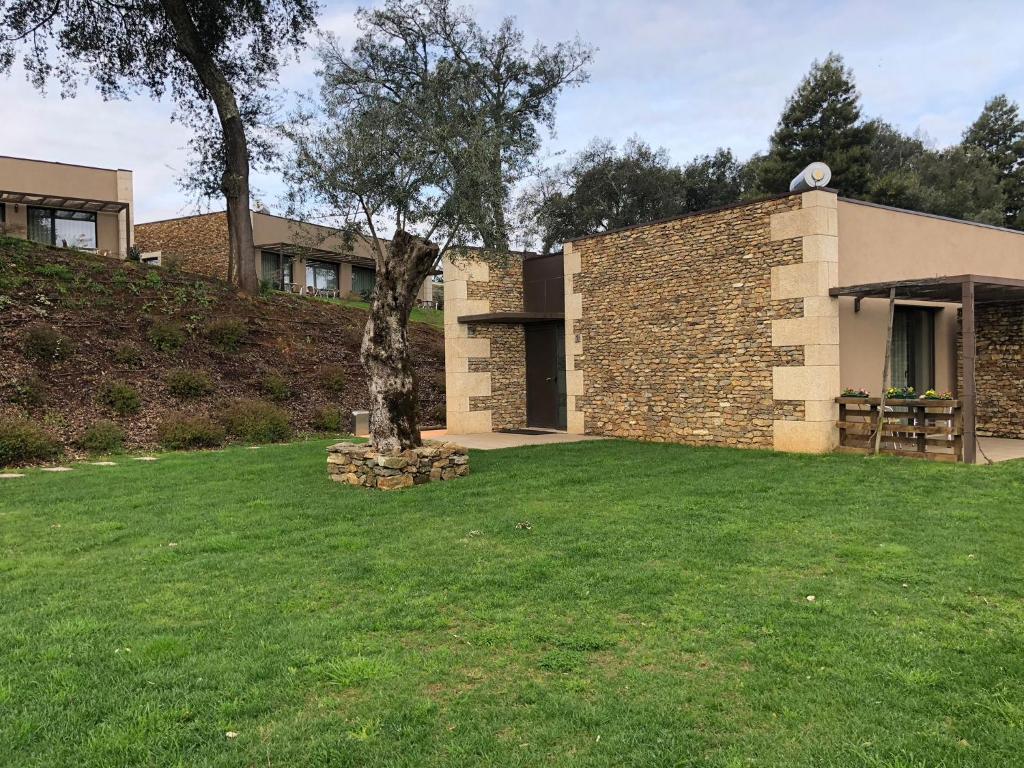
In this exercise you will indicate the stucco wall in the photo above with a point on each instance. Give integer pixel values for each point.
(877, 244)
(669, 328)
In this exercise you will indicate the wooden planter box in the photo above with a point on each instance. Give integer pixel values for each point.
(920, 428)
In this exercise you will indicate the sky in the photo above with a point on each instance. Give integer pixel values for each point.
(687, 76)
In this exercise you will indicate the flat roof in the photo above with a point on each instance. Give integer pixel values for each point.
(69, 165)
(768, 198)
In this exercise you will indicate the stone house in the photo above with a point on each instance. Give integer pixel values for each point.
(291, 255)
(739, 326)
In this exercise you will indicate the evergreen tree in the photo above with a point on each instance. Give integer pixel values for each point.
(821, 121)
(998, 137)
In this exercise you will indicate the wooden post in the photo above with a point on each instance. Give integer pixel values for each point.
(970, 395)
(886, 373)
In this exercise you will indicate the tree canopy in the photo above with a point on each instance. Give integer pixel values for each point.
(820, 122)
(998, 137)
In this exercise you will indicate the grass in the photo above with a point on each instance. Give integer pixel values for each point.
(434, 317)
(595, 604)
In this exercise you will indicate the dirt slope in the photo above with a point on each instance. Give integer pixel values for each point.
(110, 313)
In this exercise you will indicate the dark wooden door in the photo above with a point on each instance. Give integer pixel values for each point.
(545, 375)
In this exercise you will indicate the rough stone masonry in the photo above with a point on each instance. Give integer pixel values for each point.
(360, 464)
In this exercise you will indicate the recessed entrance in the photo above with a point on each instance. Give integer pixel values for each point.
(545, 375)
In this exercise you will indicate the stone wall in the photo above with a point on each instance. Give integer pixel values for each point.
(196, 244)
(999, 370)
(669, 328)
(485, 364)
(360, 464)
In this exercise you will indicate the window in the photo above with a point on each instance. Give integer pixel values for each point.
(68, 229)
(913, 348)
(276, 269)
(363, 279)
(321, 275)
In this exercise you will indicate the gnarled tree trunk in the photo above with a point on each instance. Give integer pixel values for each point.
(401, 269)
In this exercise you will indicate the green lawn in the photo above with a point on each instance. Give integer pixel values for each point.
(433, 317)
(654, 613)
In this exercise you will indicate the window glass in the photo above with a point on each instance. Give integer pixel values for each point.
(68, 229)
(40, 225)
(321, 275)
(74, 229)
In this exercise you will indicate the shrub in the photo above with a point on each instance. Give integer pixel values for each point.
(103, 436)
(45, 344)
(333, 378)
(29, 391)
(226, 333)
(127, 353)
(185, 384)
(180, 432)
(121, 398)
(329, 419)
(275, 386)
(166, 335)
(256, 422)
(23, 441)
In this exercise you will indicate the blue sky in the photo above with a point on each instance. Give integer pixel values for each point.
(689, 76)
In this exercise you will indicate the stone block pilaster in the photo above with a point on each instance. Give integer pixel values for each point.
(574, 380)
(462, 382)
(816, 382)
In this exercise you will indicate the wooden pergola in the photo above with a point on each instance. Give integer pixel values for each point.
(966, 290)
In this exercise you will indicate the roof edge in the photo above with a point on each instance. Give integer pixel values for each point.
(937, 216)
(694, 214)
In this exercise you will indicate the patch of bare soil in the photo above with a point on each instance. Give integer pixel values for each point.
(117, 322)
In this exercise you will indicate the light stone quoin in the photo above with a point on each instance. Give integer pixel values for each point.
(817, 381)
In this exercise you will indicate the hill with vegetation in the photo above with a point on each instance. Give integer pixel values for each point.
(96, 353)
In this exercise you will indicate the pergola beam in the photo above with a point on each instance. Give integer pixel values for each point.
(970, 393)
(60, 201)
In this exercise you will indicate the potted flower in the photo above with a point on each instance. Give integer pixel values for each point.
(900, 393)
(848, 392)
(931, 394)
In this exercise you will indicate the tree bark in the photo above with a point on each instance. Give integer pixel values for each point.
(401, 269)
(235, 177)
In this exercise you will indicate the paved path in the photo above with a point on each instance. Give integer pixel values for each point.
(489, 441)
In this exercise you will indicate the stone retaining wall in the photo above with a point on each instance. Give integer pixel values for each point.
(360, 464)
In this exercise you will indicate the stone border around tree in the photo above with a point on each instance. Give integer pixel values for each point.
(362, 465)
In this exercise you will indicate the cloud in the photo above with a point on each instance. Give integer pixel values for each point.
(688, 76)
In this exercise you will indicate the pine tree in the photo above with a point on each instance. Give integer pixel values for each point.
(998, 136)
(821, 122)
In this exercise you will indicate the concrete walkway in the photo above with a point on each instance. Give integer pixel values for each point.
(999, 449)
(489, 441)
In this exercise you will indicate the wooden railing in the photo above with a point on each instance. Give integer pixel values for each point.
(922, 429)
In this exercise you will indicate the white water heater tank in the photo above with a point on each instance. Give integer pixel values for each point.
(814, 176)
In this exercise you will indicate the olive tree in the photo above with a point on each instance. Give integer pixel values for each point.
(217, 59)
(399, 147)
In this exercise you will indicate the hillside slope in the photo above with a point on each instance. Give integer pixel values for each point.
(120, 323)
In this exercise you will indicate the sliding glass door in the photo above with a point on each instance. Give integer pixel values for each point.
(322, 275)
(67, 229)
(276, 269)
(913, 348)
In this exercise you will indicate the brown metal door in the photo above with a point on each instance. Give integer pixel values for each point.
(545, 375)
